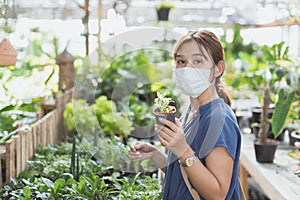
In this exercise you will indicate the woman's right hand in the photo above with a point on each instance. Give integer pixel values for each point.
(141, 151)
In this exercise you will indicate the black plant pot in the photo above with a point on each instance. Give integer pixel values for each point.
(255, 118)
(142, 131)
(294, 137)
(168, 116)
(265, 152)
(163, 14)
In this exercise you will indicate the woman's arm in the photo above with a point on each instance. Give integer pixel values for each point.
(212, 181)
(160, 160)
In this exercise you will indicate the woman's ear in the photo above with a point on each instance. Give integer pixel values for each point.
(219, 68)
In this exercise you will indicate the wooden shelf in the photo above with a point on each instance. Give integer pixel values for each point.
(277, 180)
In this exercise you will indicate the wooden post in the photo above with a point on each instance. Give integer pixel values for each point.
(99, 22)
(51, 126)
(243, 176)
(38, 133)
(60, 123)
(48, 128)
(54, 127)
(10, 159)
(23, 149)
(67, 73)
(2, 155)
(1, 181)
(34, 136)
(18, 155)
(44, 132)
(85, 21)
(28, 134)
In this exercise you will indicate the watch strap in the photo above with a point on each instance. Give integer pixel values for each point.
(193, 192)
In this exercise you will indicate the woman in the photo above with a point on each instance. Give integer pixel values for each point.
(205, 144)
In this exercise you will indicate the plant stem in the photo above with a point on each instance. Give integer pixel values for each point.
(263, 131)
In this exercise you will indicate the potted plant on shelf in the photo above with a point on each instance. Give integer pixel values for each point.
(163, 10)
(265, 147)
(163, 109)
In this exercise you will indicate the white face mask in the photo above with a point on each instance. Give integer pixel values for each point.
(192, 81)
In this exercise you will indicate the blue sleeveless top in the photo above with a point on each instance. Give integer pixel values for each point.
(229, 137)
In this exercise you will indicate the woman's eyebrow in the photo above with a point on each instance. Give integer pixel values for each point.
(194, 54)
(178, 55)
(197, 54)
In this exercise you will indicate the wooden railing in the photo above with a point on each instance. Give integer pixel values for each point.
(50, 129)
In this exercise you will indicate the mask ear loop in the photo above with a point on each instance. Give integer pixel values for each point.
(213, 67)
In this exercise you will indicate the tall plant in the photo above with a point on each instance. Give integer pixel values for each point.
(282, 107)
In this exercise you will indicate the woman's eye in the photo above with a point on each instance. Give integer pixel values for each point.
(197, 61)
(181, 62)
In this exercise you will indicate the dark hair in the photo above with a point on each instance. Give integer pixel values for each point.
(211, 43)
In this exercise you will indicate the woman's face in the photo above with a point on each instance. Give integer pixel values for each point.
(189, 55)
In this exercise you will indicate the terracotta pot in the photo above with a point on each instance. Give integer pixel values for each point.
(8, 54)
(168, 116)
(265, 152)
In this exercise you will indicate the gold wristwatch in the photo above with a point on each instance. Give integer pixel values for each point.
(188, 161)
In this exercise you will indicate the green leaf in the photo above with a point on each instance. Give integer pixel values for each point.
(281, 111)
(48, 183)
(27, 192)
(58, 183)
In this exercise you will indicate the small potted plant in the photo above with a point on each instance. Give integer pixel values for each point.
(163, 109)
(265, 147)
(163, 10)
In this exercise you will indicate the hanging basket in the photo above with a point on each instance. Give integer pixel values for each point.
(8, 54)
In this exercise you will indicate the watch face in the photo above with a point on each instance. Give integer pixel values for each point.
(189, 162)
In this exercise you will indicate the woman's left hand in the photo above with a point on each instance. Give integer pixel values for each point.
(173, 137)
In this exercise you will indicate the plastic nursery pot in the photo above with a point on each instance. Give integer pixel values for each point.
(169, 116)
(294, 137)
(265, 152)
(163, 14)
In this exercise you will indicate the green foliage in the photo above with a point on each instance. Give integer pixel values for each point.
(141, 111)
(101, 117)
(237, 45)
(136, 189)
(96, 181)
(165, 4)
(281, 111)
(80, 116)
(19, 113)
(111, 121)
(128, 71)
(162, 102)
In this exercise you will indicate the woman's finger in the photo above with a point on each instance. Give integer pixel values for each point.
(162, 141)
(170, 124)
(134, 145)
(165, 133)
(135, 156)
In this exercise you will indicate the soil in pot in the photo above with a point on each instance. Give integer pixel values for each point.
(265, 152)
(169, 116)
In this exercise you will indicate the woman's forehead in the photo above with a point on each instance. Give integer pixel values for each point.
(191, 48)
